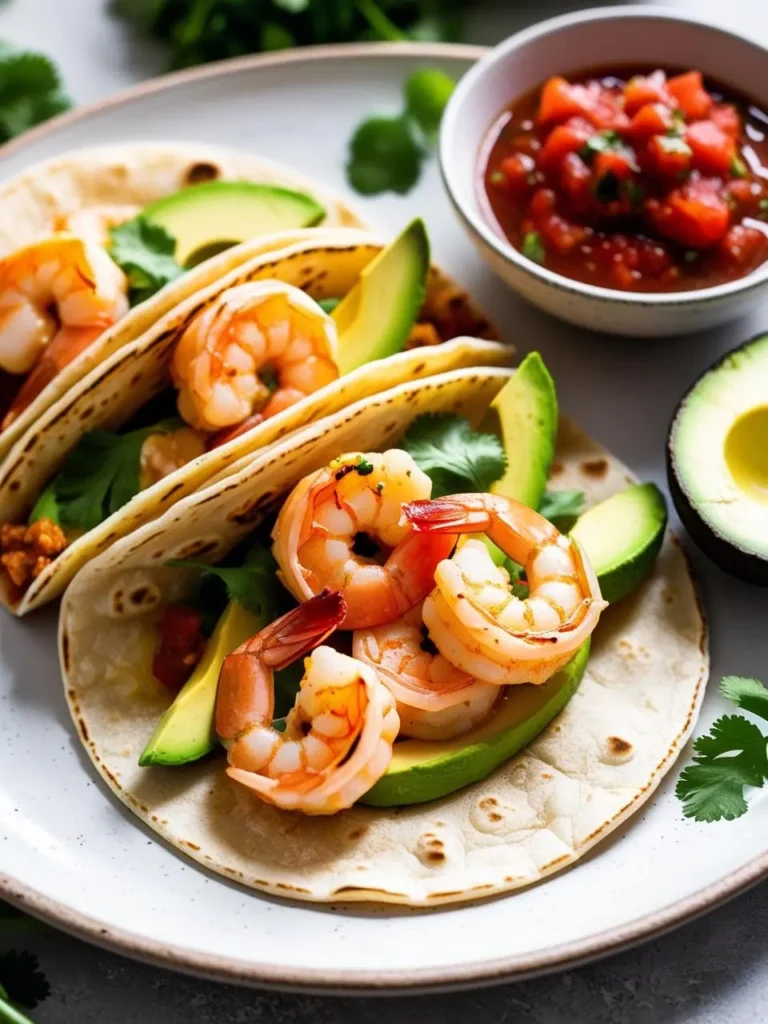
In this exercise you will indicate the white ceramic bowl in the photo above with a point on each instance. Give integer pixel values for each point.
(592, 39)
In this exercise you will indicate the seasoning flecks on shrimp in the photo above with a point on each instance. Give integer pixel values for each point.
(341, 527)
(473, 617)
(56, 297)
(435, 700)
(251, 335)
(338, 736)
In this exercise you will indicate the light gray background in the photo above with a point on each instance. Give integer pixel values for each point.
(710, 972)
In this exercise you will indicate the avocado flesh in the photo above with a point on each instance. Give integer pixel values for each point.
(210, 217)
(717, 462)
(185, 732)
(622, 536)
(374, 319)
(422, 770)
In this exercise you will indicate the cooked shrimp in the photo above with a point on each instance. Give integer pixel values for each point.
(339, 734)
(225, 358)
(341, 527)
(56, 298)
(473, 617)
(435, 700)
(94, 222)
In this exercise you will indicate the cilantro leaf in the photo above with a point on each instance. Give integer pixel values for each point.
(384, 156)
(561, 505)
(533, 248)
(98, 477)
(30, 91)
(253, 584)
(453, 455)
(749, 694)
(145, 253)
(731, 757)
(22, 980)
(427, 92)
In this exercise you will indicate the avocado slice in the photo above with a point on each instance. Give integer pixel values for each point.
(422, 770)
(205, 219)
(622, 537)
(717, 462)
(185, 731)
(374, 318)
(524, 416)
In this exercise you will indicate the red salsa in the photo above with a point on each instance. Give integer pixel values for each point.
(640, 181)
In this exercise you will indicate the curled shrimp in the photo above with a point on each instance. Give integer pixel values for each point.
(56, 298)
(435, 700)
(341, 527)
(224, 360)
(472, 615)
(339, 734)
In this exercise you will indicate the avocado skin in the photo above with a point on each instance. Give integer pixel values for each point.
(430, 780)
(727, 553)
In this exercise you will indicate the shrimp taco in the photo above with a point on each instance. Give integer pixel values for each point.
(503, 651)
(97, 244)
(221, 376)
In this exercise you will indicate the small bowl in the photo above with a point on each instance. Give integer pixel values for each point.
(636, 35)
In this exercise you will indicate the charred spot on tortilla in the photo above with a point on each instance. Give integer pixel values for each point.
(618, 745)
(200, 172)
(65, 650)
(14, 486)
(595, 467)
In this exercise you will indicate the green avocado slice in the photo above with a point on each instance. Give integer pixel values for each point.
(205, 219)
(376, 316)
(185, 731)
(422, 770)
(622, 537)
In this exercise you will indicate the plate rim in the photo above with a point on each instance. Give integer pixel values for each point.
(342, 982)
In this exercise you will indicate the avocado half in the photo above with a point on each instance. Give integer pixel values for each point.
(208, 218)
(717, 462)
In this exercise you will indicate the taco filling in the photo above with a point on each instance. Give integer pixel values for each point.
(442, 600)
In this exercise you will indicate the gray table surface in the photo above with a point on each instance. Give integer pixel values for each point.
(710, 972)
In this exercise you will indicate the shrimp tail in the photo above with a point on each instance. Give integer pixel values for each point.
(300, 630)
(446, 515)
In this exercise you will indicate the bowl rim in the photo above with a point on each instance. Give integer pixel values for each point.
(504, 249)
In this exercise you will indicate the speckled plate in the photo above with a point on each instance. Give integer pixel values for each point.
(71, 854)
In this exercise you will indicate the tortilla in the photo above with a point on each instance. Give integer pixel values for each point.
(593, 767)
(326, 265)
(137, 174)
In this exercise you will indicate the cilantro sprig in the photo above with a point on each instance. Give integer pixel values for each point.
(386, 153)
(730, 758)
(454, 456)
(30, 91)
(146, 254)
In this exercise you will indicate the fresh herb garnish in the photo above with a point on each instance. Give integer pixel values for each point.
(145, 253)
(691, 255)
(532, 247)
(386, 153)
(674, 144)
(30, 91)
(738, 167)
(635, 193)
(498, 177)
(253, 584)
(562, 506)
(364, 467)
(98, 477)
(328, 305)
(730, 758)
(599, 143)
(454, 456)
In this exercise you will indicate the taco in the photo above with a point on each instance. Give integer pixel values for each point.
(224, 374)
(71, 293)
(415, 777)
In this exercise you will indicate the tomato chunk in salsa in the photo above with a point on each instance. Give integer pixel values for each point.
(644, 181)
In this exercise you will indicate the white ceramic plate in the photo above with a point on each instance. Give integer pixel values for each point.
(71, 854)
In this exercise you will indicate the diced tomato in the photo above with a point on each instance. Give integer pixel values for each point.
(690, 95)
(713, 150)
(566, 138)
(619, 162)
(181, 645)
(652, 119)
(560, 233)
(516, 171)
(727, 119)
(559, 101)
(575, 177)
(645, 89)
(670, 157)
(695, 215)
(542, 204)
(742, 246)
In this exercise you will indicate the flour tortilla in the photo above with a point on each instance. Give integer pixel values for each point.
(137, 174)
(593, 767)
(328, 264)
